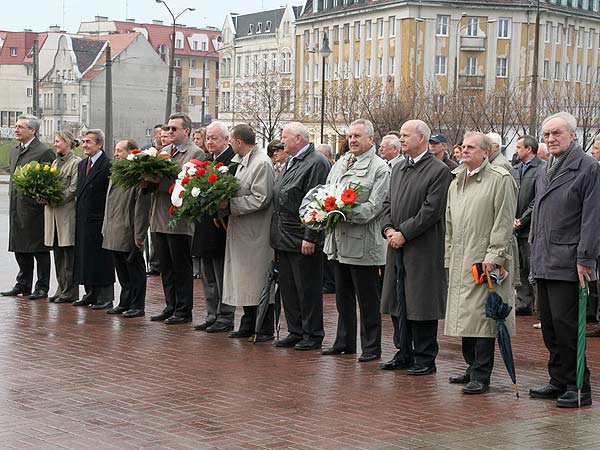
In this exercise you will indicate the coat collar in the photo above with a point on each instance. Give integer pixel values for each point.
(244, 160)
(419, 165)
(225, 155)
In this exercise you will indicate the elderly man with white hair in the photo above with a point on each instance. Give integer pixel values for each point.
(390, 150)
(565, 245)
(298, 249)
(496, 157)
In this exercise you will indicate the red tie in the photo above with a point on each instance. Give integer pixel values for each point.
(89, 166)
(173, 150)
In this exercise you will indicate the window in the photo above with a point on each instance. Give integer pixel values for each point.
(346, 32)
(588, 75)
(548, 32)
(84, 89)
(546, 69)
(369, 29)
(368, 67)
(251, 28)
(380, 66)
(70, 75)
(192, 63)
(441, 63)
(177, 62)
(247, 65)
(306, 105)
(273, 62)
(315, 103)
(568, 72)
(192, 100)
(357, 31)
(306, 72)
(179, 43)
(504, 28)
(29, 92)
(192, 82)
(194, 45)
(392, 26)
(13, 51)
(556, 71)
(268, 26)
(326, 67)
(473, 26)
(238, 65)
(578, 73)
(346, 70)
(29, 70)
(356, 69)
(558, 33)
(336, 34)
(441, 25)
(391, 65)
(471, 66)
(259, 28)
(568, 32)
(590, 38)
(84, 113)
(316, 72)
(255, 65)
(380, 28)
(501, 68)
(73, 102)
(177, 81)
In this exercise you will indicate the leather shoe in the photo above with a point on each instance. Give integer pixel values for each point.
(101, 306)
(475, 387)
(134, 313)
(63, 300)
(418, 369)
(523, 311)
(203, 326)
(594, 332)
(395, 364)
(306, 344)
(160, 317)
(219, 327)
(547, 392)
(569, 399)
(15, 291)
(152, 273)
(176, 320)
(261, 338)
(241, 334)
(116, 310)
(36, 295)
(366, 357)
(288, 341)
(83, 302)
(53, 298)
(460, 379)
(332, 351)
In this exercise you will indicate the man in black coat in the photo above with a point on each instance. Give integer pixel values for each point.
(209, 244)
(525, 174)
(93, 265)
(297, 248)
(26, 216)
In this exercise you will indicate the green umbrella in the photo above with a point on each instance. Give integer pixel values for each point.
(583, 295)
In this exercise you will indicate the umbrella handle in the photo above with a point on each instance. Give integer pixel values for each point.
(489, 281)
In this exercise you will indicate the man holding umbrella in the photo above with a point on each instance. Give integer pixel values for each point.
(564, 247)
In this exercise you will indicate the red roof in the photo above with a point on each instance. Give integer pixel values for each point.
(118, 43)
(23, 42)
(161, 34)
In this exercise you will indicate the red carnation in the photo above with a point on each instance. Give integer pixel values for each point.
(213, 177)
(185, 181)
(348, 196)
(196, 162)
(135, 151)
(219, 164)
(171, 210)
(181, 194)
(200, 172)
(171, 188)
(330, 204)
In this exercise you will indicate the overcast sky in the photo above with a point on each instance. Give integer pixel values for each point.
(38, 15)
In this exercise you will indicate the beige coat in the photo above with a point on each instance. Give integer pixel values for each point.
(248, 252)
(126, 218)
(59, 219)
(479, 225)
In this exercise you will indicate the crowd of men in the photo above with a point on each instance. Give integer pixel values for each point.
(422, 219)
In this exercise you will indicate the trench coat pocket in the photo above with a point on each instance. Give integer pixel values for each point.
(351, 241)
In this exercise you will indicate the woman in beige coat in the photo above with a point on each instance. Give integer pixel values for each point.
(59, 220)
(482, 200)
(248, 253)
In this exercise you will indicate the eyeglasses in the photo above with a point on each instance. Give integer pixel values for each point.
(172, 128)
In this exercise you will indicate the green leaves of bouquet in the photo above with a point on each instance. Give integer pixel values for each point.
(142, 165)
(40, 181)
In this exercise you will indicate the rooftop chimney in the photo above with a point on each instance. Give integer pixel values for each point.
(130, 20)
(101, 18)
(157, 22)
(54, 29)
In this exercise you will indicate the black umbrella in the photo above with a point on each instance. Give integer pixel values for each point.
(496, 309)
(402, 337)
(269, 296)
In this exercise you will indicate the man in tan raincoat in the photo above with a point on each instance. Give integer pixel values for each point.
(482, 200)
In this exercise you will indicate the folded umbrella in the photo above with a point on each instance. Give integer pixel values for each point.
(268, 297)
(497, 309)
(581, 320)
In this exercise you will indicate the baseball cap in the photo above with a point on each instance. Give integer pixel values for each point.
(437, 138)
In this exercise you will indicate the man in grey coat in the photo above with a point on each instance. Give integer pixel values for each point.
(26, 224)
(565, 244)
(413, 224)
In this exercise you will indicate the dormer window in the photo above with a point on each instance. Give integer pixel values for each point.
(268, 26)
(251, 29)
(13, 51)
(259, 28)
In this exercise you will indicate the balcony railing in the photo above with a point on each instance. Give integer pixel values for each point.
(472, 43)
(471, 81)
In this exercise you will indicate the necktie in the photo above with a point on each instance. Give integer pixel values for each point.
(524, 169)
(88, 167)
(411, 162)
(350, 163)
(289, 162)
(173, 150)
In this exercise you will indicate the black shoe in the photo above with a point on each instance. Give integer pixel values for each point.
(523, 311)
(152, 273)
(547, 392)
(261, 338)
(219, 327)
(395, 364)
(569, 400)
(307, 344)
(63, 300)
(475, 387)
(366, 357)
(37, 295)
(332, 351)
(116, 310)
(418, 369)
(134, 313)
(203, 326)
(83, 302)
(160, 317)
(16, 291)
(288, 341)
(101, 306)
(460, 379)
(53, 298)
(176, 320)
(240, 334)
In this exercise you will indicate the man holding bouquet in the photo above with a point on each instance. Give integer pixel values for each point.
(356, 244)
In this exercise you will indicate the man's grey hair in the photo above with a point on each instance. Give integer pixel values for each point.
(495, 138)
(298, 129)
(530, 141)
(187, 122)
(32, 121)
(98, 134)
(394, 141)
(423, 129)
(221, 127)
(568, 118)
(367, 124)
(484, 140)
(325, 149)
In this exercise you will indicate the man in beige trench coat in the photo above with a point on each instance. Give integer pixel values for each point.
(248, 253)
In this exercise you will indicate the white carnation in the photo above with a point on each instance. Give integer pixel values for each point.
(192, 171)
(195, 192)
(223, 169)
(320, 216)
(130, 157)
(151, 152)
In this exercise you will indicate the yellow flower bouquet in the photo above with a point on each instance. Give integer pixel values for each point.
(40, 181)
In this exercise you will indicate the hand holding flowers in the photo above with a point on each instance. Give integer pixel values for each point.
(142, 167)
(326, 205)
(40, 181)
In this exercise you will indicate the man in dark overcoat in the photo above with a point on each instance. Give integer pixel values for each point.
(94, 267)
(26, 216)
(413, 224)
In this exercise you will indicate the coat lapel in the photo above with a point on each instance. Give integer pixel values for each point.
(93, 171)
(565, 175)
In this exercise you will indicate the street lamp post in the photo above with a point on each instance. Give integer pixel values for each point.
(325, 51)
(171, 58)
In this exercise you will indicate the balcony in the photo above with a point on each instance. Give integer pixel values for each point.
(472, 43)
(471, 81)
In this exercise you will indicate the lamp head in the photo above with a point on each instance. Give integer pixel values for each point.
(325, 51)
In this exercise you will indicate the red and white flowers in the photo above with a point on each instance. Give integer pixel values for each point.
(326, 205)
